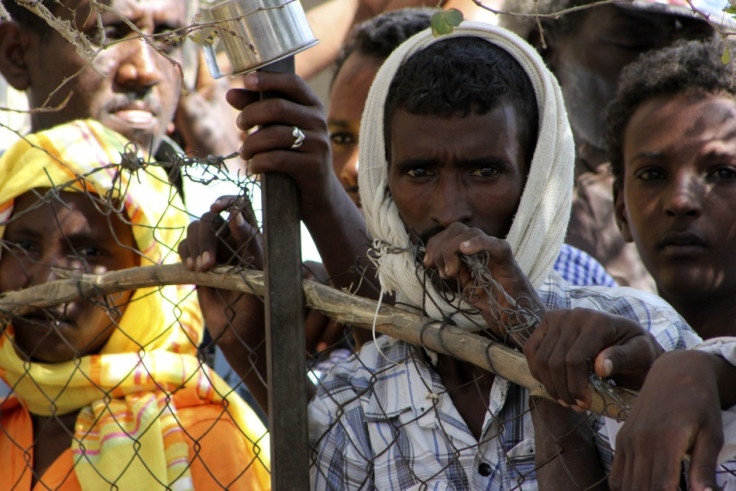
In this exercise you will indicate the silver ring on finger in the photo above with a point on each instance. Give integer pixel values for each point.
(298, 137)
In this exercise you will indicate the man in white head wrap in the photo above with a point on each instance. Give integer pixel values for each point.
(466, 175)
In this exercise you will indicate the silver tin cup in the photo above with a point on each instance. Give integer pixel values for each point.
(255, 33)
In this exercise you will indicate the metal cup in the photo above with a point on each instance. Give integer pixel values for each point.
(255, 33)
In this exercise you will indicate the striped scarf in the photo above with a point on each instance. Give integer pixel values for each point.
(126, 431)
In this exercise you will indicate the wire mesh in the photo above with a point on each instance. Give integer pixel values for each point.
(383, 419)
(109, 389)
(505, 430)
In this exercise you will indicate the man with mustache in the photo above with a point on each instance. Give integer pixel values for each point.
(466, 182)
(129, 86)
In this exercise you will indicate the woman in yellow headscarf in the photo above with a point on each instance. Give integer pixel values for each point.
(108, 391)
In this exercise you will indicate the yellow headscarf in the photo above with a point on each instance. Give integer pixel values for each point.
(124, 392)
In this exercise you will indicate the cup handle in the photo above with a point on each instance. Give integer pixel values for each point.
(211, 59)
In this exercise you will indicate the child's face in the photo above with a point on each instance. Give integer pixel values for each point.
(679, 191)
(347, 100)
(42, 240)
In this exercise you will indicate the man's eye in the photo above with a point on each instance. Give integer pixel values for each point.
(724, 172)
(85, 253)
(418, 172)
(102, 35)
(485, 171)
(649, 174)
(19, 245)
(343, 138)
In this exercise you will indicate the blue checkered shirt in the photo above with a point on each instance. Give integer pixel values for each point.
(580, 269)
(384, 420)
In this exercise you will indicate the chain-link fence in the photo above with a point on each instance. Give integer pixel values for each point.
(114, 382)
(107, 367)
(109, 387)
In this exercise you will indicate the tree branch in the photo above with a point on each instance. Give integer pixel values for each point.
(343, 307)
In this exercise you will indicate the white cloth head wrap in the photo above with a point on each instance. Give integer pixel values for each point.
(540, 224)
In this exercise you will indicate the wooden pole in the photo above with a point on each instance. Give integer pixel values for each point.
(611, 401)
(285, 338)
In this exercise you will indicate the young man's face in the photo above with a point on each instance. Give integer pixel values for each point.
(130, 87)
(679, 190)
(40, 241)
(347, 99)
(588, 60)
(468, 169)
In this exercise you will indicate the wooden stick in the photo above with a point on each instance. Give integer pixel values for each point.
(614, 402)
(285, 337)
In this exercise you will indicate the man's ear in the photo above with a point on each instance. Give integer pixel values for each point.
(619, 209)
(14, 43)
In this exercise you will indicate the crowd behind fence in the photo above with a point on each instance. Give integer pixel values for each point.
(352, 312)
(152, 378)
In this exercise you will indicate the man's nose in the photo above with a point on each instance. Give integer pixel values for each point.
(349, 173)
(449, 203)
(684, 195)
(138, 69)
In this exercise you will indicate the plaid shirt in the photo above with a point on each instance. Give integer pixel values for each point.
(726, 470)
(384, 419)
(579, 268)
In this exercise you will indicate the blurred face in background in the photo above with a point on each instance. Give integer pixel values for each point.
(130, 86)
(588, 59)
(347, 99)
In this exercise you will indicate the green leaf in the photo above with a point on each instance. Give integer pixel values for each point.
(730, 9)
(445, 21)
(454, 17)
(439, 25)
(726, 56)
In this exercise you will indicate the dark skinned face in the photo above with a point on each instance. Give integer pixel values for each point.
(40, 241)
(679, 190)
(347, 99)
(469, 169)
(130, 86)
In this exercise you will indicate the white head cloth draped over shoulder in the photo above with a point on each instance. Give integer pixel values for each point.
(540, 224)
